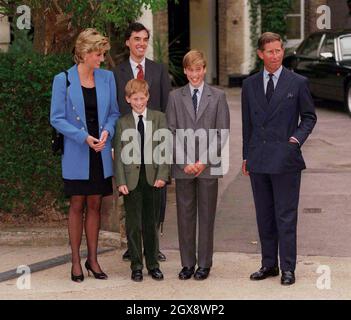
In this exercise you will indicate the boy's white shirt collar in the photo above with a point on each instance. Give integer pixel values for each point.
(199, 93)
(136, 117)
(200, 88)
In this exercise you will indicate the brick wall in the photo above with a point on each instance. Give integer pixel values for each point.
(231, 30)
(311, 15)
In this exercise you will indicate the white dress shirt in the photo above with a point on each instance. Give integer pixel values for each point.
(198, 94)
(275, 78)
(136, 118)
(134, 66)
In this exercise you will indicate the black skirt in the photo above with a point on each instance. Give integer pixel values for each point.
(97, 184)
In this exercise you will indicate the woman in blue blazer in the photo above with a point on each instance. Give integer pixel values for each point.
(85, 113)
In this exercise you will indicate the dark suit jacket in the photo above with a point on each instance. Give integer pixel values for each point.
(268, 127)
(156, 75)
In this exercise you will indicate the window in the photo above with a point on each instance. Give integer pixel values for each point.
(311, 46)
(295, 23)
(345, 43)
(328, 45)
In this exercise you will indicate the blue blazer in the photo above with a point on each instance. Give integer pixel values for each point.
(268, 127)
(68, 117)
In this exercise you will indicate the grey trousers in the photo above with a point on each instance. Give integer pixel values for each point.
(196, 200)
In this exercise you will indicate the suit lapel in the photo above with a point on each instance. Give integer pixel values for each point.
(204, 101)
(101, 94)
(280, 92)
(148, 72)
(186, 97)
(75, 93)
(127, 71)
(130, 122)
(259, 93)
(149, 130)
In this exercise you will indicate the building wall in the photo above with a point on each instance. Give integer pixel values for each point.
(234, 39)
(147, 20)
(311, 15)
(203, 33)
(4, 33)
(160, 26)
(340, 15)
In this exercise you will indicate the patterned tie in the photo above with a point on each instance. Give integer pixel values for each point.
(141, 131)
(140, 75)
(270, 88)
(195, 100)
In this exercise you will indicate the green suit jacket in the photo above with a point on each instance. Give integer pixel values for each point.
(128, 174)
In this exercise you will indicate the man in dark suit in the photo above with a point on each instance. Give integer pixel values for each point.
(278, 115)
(156, 75)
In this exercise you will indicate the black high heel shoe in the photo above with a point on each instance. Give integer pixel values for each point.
(97, 275)
(79, 278)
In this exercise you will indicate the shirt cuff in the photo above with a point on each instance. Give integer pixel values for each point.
(295, 140)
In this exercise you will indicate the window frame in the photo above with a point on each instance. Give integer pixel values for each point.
(294, 42)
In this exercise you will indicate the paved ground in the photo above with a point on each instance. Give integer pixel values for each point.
(323, 236)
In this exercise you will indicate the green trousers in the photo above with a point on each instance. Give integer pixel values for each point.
(141, 207)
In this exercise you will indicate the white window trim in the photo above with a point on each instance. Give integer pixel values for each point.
(294, 42)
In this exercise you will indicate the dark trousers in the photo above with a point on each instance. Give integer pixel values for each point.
(276, 200)
(196, 200)
(141, 224)
(160, 208)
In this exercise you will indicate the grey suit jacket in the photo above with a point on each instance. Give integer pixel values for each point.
(129, 174)
(156, 75)
(213, 113)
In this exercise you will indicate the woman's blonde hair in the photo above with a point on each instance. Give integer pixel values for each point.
(89, 40)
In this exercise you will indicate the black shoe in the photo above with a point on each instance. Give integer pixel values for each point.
(186, 273)
(201, 273)
(97, 275)
(288, 278)
(126, 256)
(161, 257)
(264, 273)
(156, 274)
(137, 275)
(78, 279)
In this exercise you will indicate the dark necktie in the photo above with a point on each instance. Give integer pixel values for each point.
(141, 131)
(140, 75)
(270, 87)
(195, 100)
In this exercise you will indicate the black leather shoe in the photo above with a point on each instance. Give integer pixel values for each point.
(79, 278)
(161, 257)
(264, 273)
(186, 273)
(288, 278)
(97, 275)
(137, 275)
(126, 256)
(156, 274)
(201, 273)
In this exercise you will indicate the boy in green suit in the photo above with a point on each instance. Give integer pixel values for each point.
(140, 178)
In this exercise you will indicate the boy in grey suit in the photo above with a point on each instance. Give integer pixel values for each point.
(201, 110)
